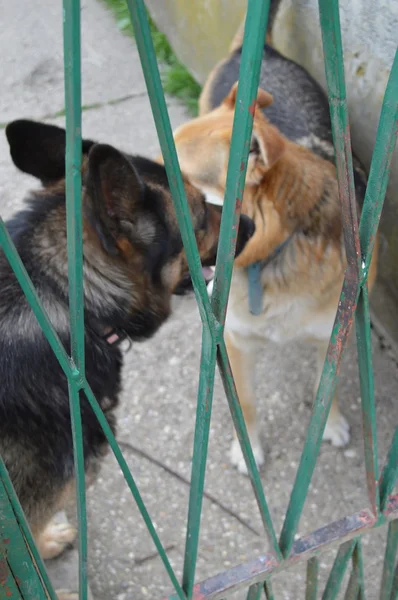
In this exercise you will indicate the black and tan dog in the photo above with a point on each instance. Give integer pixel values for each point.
(291, 193)
(133, 261)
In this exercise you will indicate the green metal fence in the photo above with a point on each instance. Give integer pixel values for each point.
(22, 574)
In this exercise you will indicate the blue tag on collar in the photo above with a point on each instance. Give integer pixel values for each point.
(255, 288)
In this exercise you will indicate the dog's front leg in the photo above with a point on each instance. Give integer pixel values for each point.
(242, 358)
(337, 430)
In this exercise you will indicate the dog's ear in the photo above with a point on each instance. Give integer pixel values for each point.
(39, 149)
(267, 145)
(114, 191)
(263, 100)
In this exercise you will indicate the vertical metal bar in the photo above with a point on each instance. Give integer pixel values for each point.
(74, 227)
(249, 73)
(201, 440)
(390, 472)
(145, 48)
(331, 36)
(8, 489)
(338, 570)
(311, 591)
(240, 426)
(389, 561)
(341, 330)
(358, 560)
(373, 203)
(364, 342)
(269, 594)
(355, 588)
(394, 591)
(133, 488)
(78, 455)
(254, 592)
(73, 179)
(380, 167)
(334, 69)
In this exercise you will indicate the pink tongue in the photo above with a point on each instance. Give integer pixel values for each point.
(208, 273)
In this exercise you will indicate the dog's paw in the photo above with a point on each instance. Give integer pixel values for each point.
(65, 595)
(237, 459)
(337, 430)
(55, 539)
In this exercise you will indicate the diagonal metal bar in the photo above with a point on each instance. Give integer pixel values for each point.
(249, 73)
(240, 426)
(311, 592)
(74, 229)
(364, 342)
(389, 561)
(334, 69)
(341, 330)
(78, 457)
(338, 570)
(146, 52)
(28, 288)
(21, 539)
(390, 472)
(133, 488)
(380, 167)
(201, 441)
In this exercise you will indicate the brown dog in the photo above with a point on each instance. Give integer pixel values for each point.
(292, 195)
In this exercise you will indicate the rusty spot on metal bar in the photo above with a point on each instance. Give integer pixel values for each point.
(3, 571)
(345, 318)
(252, 107)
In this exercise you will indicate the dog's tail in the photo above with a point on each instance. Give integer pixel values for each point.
(238, 38)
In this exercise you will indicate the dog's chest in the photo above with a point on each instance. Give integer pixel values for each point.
(285, 316)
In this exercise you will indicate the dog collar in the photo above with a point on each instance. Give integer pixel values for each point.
(255, 287)
(114, 337)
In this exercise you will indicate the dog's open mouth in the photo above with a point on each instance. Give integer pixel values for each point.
(185, 286)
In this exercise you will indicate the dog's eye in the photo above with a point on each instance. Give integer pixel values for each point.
(254, 146)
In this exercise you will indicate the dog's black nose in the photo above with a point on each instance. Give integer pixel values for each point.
(246, 230)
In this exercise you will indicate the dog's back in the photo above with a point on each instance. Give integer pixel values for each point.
(300, 109)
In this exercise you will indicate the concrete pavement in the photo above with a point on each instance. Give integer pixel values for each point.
(156, 417)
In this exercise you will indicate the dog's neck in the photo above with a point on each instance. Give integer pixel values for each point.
(297, 181)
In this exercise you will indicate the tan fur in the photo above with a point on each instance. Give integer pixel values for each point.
(289, 191)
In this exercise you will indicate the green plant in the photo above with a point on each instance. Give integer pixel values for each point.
(176, 79)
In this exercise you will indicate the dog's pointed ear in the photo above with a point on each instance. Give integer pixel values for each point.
(113, 192)
(267, 145)
(39, 149)
(263, 99)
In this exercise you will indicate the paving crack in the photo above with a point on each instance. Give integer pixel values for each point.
(176, 475)
(86, 107)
